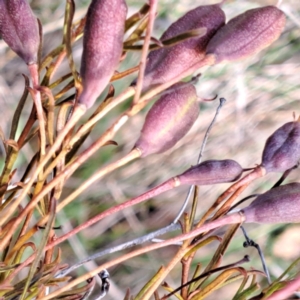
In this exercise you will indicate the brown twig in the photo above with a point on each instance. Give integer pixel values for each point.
(139, 85)
(230, 219)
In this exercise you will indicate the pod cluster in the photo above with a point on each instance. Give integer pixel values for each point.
(243, 36)
(164, 64)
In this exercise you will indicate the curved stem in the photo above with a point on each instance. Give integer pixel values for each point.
(139, 85)
(119, 99)
(167, 185)
(208, 60)
(135, 153)
(78, 112)
(191, 190)
(36, 95)
(289, 289)
(157, 190)
(230, 219)
(126, 245)
(258, 172)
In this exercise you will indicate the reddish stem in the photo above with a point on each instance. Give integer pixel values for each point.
(289, 289)
(167, 185)
(79, 112)
(139, 86)
(27, 128)
(258, 172)
(226, 220)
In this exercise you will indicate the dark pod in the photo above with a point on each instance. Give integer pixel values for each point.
(282, 148)
(19, 29)
(102, 46)
(247, 34)
(212, 172)
(166, 63)
(169, 119)
(278, 205)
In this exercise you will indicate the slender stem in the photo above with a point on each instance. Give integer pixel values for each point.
(185, 271)
(78, 112)
(110, 132)
(54, 66)
(205, 274)
(139, 85)
(176, 258)
(125, 73)
(40, 249)
(135, 153)
(67, 172)
(258, 172)
(163, 187)
(67, 30)
(230, 219)
(191, 190)
(226, 206)
(36, 95)
(126, 245)
(27, 128)
(289, 289)
(208, 60)
(251, 243)
(119, 99)
(284, 176)
(242, 201)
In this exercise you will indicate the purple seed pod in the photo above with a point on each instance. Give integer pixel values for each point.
(278, 205)
(247, 34)
(169, 119)
(19, 29)
(212, 172)
(166, 63)
(102, 46)
(282, 148)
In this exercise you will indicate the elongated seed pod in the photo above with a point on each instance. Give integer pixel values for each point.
(282, 148)
(19, 29)
(278, 205)
(212, 172)
(102, 47)
(166, 63)
(207, 173)
(169, 119)
(247, 34)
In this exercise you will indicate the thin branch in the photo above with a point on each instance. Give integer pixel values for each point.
(231, 219)
(191, 190)
(77, 113)
(126, 245)
(139, 85)
(251, 243)
(226, 267)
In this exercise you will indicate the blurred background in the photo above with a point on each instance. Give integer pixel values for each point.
(262, 94)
